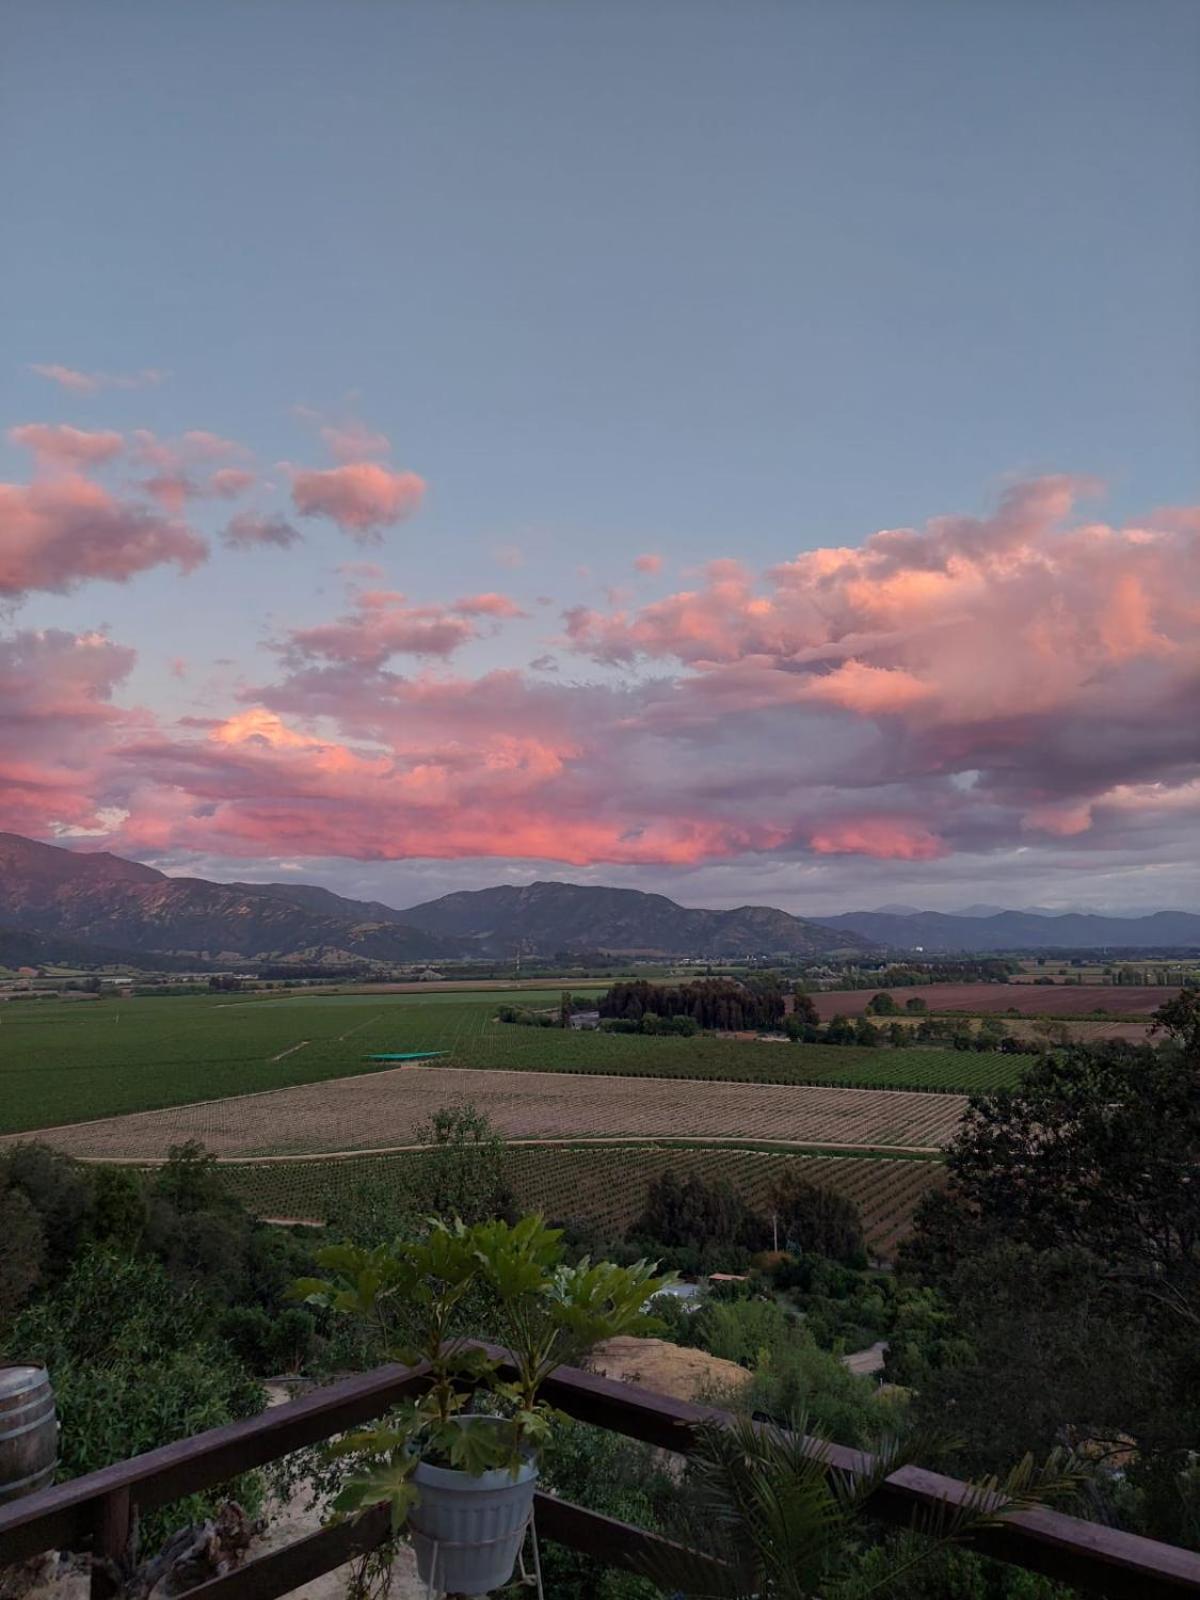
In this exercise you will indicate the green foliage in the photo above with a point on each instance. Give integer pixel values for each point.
(698, 1226)
(22, 1255)
(133, 1367)
(720, 1003)
(792, 1524)
(617, 1477)
(816, 1221)
(548, 1314)
(1068, 1251)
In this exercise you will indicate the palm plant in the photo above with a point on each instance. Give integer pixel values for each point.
(789, 1523)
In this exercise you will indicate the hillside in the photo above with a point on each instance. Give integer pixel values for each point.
(1021, 930)
(104, 900)
(544, 918)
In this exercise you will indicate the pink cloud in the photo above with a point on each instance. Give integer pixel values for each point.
(58, 726)
(58, 447)
(882, 838)
(361, 497)
(648, 563)
(59, 533)
(870, 691)
(1024, 681)
(91, 382)
(229, 482)
(354, 441)
(248, 530)
(381, 625)
(488, 605)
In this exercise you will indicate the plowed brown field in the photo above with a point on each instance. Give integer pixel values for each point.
(384, 1109)
(986, 999)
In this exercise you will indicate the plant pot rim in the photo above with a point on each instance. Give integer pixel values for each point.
(454, 1478)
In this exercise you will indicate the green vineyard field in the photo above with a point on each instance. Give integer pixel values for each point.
(606, 1186)
(66, 1062)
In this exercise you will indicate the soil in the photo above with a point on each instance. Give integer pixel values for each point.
(668, 1368)
(382, 1110)
(988, 999)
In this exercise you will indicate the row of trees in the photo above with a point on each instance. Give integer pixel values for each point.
(720, 1003)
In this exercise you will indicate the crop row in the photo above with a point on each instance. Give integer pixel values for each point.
(607, 1187)
(70, 1062)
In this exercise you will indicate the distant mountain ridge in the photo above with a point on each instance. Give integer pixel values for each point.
(55, 900)
(50, 893)
(1020, 930)
(111, 903)
(543, 918)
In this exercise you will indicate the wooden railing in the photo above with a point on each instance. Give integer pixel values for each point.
(97, 1513)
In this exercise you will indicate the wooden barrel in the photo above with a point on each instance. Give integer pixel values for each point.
(28, 1431)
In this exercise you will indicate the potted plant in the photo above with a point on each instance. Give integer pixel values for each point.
(461, 1481)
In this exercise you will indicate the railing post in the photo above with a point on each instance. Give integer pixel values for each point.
(110, 1543)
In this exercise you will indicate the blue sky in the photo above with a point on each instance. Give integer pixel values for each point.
(707, 280)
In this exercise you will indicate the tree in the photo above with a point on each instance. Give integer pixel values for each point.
(21, 1255)
(1179, 1019)
(804, 1007)
(916, 1006)
(882, 1005)
(60, 1191)
(816, 1221)
(1068, 1247)
(710, 1219)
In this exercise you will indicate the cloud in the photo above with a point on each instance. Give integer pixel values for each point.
(354, 441)
(61, 532)
(381, 625)
(362, 497)
(229, 482)
(881, 838)
(488, 605)
(1002, 689)
(58, 727)
(249, 529)
(77, 382)
(174, 465)
(57, 447)
(648, 564)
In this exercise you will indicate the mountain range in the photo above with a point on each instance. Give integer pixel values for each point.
(982, 929)
(48, 893)
(89, 906)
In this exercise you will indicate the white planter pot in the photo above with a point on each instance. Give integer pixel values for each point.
(467, 1530)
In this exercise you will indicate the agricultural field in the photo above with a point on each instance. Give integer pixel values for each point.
(606, 1187)
(71, 1061)
(384, 1109)
(1065, 1001)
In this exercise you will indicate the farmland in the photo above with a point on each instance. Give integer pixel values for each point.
(997, 999)
(384, 1109)
(71, 1061)
(604, 1186)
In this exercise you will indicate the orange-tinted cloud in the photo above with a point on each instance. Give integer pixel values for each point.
(361, 497)
(882, 838)
(648, 563)
(488, 605)
(1025, 681)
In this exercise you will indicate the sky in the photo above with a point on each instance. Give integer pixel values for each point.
(746, 452)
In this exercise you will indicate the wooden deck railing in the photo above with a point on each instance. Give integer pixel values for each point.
(96, 1513)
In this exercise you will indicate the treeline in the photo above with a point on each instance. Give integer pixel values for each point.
(909, 974)
(720, 1003)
